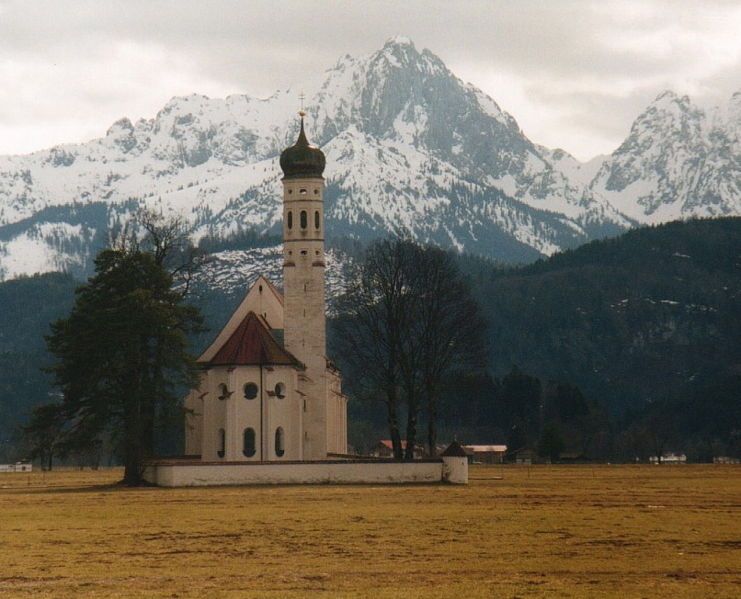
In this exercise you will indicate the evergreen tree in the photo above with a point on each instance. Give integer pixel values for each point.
(551, 443)
(121, 355)
(45, 433)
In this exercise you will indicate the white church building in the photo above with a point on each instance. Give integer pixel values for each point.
(269, 407)
(268, 391)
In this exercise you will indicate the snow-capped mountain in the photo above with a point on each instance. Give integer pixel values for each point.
(677, 161)
(409, 146)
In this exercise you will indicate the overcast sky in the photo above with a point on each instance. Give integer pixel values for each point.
(573, 73)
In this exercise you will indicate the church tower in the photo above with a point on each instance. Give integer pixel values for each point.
(303, 281)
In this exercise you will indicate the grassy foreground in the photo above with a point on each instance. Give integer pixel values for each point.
(579, 531)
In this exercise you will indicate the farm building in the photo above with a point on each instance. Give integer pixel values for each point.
(669, 458)
(486, 454)
(385, 449)
(17, 467)
(523, 456)
(724, 459)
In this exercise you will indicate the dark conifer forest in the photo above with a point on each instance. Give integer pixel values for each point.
(613, 351)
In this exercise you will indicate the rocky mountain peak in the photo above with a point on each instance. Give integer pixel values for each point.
(677, 161)
(409, 146)
(670, 100)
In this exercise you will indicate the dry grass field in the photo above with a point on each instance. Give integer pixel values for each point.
(615, 531)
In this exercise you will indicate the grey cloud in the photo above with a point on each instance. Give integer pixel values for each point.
(258, 47)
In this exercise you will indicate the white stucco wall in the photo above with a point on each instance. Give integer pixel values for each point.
(387, 472)
(236, 413)
(455, 470)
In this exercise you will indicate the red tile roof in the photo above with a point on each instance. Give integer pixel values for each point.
(252, 344)
(390, 444)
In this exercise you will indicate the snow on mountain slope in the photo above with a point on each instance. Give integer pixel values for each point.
(234, 271)
(409, 147)
(676, 162)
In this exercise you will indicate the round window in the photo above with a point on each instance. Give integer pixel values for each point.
(280, 390)
(250, 391)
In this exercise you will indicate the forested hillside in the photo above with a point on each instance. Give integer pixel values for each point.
(628, 345)
(27, 306)
(631, 320)
(624, 345)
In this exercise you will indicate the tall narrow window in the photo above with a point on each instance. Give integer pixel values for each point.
(280, 390)
(304, 219)
(280, 447)
(316, 219)
(248, 443)
(222, 443)
(289, 219)
(223, 391)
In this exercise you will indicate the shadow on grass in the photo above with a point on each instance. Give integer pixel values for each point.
(71, 489)
(120, 487)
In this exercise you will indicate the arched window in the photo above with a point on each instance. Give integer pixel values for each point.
(248, 442)
(222, 443)
(316, 219)
(280, 390)
(280, 446)
(289, 220)
(304, 219)
(250, 391)
(223, 391)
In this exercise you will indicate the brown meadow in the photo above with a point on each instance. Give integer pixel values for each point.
(515, 531)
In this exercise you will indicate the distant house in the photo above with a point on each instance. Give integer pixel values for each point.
(486, 454)
(724, 459)
(385, 449)
(572, 457)
(669, 458)
(523, 456)
(17, 467)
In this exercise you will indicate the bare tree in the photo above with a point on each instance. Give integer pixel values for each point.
(408, 319)
(373, 321)
(168, 239)
(448, 329)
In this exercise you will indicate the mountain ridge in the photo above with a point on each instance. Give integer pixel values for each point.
(409, 147)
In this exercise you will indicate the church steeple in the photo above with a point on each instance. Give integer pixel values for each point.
(302, 160)
(303, 282)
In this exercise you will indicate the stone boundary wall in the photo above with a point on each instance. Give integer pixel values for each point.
(174, 473)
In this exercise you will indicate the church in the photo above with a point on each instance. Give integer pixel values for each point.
(269, 407)
(268, 392)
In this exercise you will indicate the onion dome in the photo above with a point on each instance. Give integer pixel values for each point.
(301, 159)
